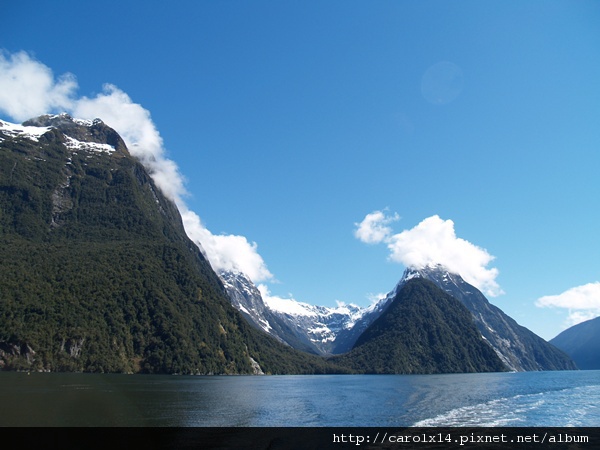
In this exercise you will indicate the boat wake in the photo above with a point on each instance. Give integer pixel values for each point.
(531, 410)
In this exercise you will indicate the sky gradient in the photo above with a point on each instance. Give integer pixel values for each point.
(326, 145)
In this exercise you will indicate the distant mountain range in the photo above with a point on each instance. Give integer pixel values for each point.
(98, 275)
(330, 331)
(582, 343)
(315, 329)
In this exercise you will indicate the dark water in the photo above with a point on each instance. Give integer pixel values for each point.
(497, 399)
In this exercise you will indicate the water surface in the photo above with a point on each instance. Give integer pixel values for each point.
(568, 398)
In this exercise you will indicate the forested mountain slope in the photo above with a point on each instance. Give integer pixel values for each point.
(97, 273)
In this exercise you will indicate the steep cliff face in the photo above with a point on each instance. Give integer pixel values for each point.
(519, 348)
(314, 329)
(97, 273)
(247, 299)
(423, 330)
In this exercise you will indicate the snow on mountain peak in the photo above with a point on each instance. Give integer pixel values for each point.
(14, 130)
(75, 145)
(286, 305)
(35, 128)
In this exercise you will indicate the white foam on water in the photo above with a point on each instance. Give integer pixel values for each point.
(571, 407)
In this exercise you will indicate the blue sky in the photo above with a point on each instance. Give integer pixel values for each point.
(292, 121)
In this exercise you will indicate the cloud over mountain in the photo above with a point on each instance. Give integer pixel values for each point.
(374, 227)
(583, 302)
(28, 88)
(433, 241)
(226, 251)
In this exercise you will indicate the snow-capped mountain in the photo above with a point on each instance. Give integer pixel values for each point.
(97, 273)
(32, 133)
(335, 330)
(317, 329)
(245, 296)
(519, 348)
(423, 330)
(80, 135)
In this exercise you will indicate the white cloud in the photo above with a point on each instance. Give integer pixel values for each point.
(28, 89)
(285, 305)
(376, 298)
(134, 124)
(576, 317)
(433, 241)
(226, 252)
(582, 302)
(374, 228)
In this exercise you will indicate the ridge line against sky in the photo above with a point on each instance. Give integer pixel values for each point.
(35, 91)
(474, 124)
(29, 89)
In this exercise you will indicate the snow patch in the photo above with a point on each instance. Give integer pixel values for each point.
(29, 132)
(289, 306)
(241, 307)
(265, 325)
(74, 144)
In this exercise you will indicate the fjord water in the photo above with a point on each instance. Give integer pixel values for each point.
(569, 398)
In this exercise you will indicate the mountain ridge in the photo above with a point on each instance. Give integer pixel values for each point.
(582, 343)
(316, 329)
(98, 274)
(423, 330)
(518, 348)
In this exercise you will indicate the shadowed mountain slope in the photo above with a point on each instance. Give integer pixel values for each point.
(518, 347)
(423, 330)
(582, 343)
(97, 273)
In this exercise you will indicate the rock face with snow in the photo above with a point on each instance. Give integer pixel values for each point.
(331, 331)
(97, 273)
(247, 299)
(91, 135)
(519, 348)
(315, 329)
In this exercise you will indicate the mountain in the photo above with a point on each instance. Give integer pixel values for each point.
(315, 329)
(97, 273)
(582, 343)
(423, 330)
(332, 331)
(247, 299)
(519, 348)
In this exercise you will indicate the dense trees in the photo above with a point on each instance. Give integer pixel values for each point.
(424, 330)
(97, 274)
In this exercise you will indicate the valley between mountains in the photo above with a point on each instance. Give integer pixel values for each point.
(97, 274)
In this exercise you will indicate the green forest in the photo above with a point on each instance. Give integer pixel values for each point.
(424, 330)
(97, 274)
